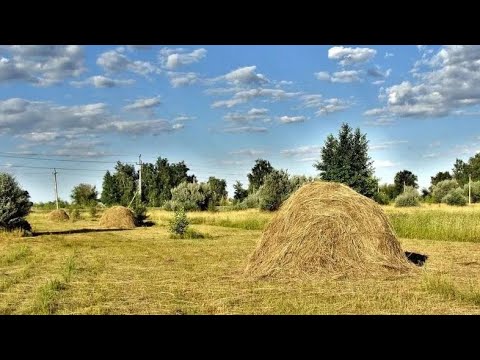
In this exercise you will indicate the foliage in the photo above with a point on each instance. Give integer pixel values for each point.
(110, 190)
(74, 213)
(139, 212)
(455, 197)
(239, 192)
(345, 159)
(15, 204)
(442, 188)
(445, 175)
(475, 191)
(274, 191)
(404, 178)
(179, 223)
(257, 177)
(84, 194)
(52, 205)
(381, 198)
(389, 190)
(297, 181)
(218, 189)
(408, 198)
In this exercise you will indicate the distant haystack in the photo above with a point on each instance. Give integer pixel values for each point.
(326, 227)
(58, 215)
(118, 217)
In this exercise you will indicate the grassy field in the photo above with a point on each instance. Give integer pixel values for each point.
(79, 268)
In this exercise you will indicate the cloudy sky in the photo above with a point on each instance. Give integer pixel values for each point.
(82, 108)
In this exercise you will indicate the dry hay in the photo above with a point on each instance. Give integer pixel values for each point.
(327, 228)
(58, 215)
(118, 217)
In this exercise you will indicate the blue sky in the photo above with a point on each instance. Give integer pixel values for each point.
(82, 108)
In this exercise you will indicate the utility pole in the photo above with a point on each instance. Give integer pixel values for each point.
(140, 177)
(56, 187)
(403, 185)
(469, 189)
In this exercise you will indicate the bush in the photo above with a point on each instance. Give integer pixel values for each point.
(15, 204)
(74, 213)
(381, 198)
(189, 196)
(455, 197)
(252, 201)
(140, 213)
(442, 188)
(475, 191)
(408, 198)
(179, 222)
(92, 210)
(274, 191)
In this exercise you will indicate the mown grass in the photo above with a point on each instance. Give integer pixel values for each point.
(447, 289)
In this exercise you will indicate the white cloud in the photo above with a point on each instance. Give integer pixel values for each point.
(252, 114)
(113, 61)
(291, 119)
(145, 103)
(388, 54)
(100, 81)
(174, 58)
(243, 96)
(248, 152)
(345, 76)
(350, 56)
(41, 65)
(302, 150)
(322, 75)
(178, 79)
(245, 76)
(451, 81)
(383, 121)
(245, 129)
(184, 118)
(324, 106)
(387, 144)
(384, 163)
(30, 117)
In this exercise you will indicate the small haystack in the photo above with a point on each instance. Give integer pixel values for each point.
(326, 227)
(58, 215)
(118, 217)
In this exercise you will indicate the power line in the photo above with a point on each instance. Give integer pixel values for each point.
(49, 159)
(43, 167)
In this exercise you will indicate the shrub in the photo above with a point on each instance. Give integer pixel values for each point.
(14, 204)
(189, 196)
(442, 188)
(252, 201)
(275, 190)
(179, 222)
(408, 198)
(92, 210)
(475, 191)
(140, 213)
(381, 198)
(74, 213)
(455, 197)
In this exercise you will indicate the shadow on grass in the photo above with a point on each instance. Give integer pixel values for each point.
(75, 231)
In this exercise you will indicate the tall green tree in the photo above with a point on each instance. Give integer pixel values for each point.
(460, 171)
(126, 178)
(218, 188)
(15, 204)
(110, 191)
(239, 192)
(257, 176)
(440, 176)
(345, 159)
(84, 194)
(404, 178)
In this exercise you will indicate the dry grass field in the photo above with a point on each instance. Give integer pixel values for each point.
(80, 268)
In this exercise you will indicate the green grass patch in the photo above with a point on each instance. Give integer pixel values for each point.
(446, 288)
(246, 224)
(437, 225)
(46, 301)
(190, 234)
(14, 255)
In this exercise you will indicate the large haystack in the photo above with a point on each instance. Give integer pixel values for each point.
(118, 217)
(58, 215)
(326, 227)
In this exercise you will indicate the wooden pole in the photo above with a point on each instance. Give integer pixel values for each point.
(56, 187)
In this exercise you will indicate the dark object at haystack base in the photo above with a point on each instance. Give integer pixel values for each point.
(417, 259)
(326, 227)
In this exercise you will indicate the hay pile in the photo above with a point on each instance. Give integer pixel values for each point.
(118, 217)
(58, 215)
(327, 228)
